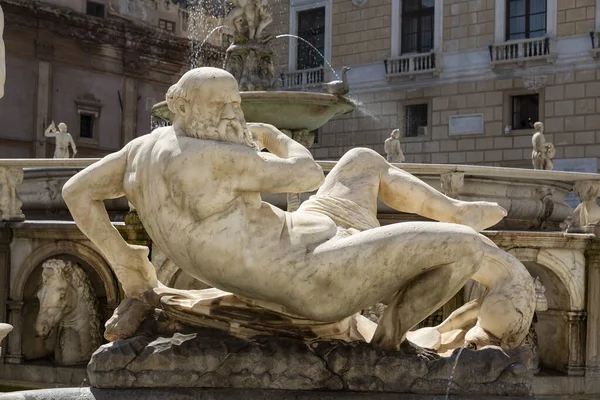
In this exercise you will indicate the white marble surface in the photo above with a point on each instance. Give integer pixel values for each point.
(196, 187)
(4, 330)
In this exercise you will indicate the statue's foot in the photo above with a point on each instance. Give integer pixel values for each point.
(409, 348)
(126, 319)
(478, 215)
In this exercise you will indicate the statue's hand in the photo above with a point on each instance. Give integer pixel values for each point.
(136, 272)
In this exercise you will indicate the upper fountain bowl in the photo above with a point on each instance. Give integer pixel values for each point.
(285, 110)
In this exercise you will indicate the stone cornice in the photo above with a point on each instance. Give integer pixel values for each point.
(540, 240)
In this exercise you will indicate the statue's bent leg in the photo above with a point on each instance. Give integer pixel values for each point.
(422, 264)
(362, 176)
(419, 299)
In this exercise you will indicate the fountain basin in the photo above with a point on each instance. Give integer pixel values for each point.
(285, 110)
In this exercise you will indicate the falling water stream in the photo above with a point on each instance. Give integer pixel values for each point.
(314, 48)
(452, 372)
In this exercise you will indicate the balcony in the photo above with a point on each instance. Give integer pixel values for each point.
(522, 52)
(595, 36)
(410, 66)
(305, 79)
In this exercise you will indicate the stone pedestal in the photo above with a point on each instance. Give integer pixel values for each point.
(215, 361)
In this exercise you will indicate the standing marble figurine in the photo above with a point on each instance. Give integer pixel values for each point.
(543, 151)
(63, 140)
(196, 186)
(392, 147)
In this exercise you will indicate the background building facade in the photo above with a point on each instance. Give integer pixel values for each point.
(463, 79)
(98, 66)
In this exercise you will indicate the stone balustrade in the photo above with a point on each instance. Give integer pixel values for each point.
(522, 51)
(534, 199)
(411, 65)
(303, 79)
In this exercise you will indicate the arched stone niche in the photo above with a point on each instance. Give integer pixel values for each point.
(28, 280)
(560, 330)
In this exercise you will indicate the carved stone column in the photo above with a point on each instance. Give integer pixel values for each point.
(44, 51)
(129, 115)
(576, 338)
(14, 354)
(593, 311)
(5, 238)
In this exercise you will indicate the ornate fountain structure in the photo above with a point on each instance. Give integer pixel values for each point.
(568, 265)
(249, 59)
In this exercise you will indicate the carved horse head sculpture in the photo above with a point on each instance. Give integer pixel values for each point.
(68, 303)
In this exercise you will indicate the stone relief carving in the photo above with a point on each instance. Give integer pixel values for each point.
(331, 281)
(10, 203)
(392, 147)
(250, 57)
(587, 213)
(452, 183)
(63, 140)
(4, 331)
(69, 305)
(543, 151)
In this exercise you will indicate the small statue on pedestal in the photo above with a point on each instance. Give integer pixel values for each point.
(543, 152)
(63, 139)
(392, 147)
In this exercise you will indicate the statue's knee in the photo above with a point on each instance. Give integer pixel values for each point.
(363, 152)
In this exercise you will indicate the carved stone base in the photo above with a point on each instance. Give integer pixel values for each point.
(214, 360)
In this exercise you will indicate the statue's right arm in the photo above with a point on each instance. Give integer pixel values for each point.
(49, 132)
(84, 194)
(288, 168)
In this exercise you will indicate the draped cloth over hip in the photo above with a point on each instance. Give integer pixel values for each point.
(345, 213)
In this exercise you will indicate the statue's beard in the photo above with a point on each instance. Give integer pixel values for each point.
(227, 130)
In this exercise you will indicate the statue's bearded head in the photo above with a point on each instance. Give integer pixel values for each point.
(538, 127)
(206, 104)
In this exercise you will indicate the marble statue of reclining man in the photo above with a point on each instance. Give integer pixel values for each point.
(196, 187)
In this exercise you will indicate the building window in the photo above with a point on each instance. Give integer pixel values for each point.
(311, 27)
(417, 26)
(86, 126)
(525, 111)
(166, 25)
(95, 9)
(415, 120)
(525, 19)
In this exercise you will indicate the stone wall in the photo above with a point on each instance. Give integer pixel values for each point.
(57, 57)
(569, 108)
(360, 34)
(575, 17)
(468, 24)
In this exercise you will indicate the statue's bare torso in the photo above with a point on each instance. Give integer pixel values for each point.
(234, 240)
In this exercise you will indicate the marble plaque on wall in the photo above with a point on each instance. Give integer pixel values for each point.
(465, 124)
